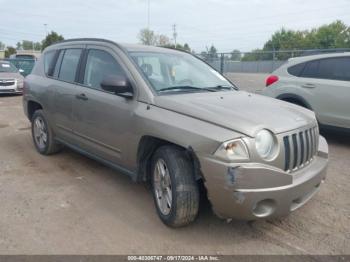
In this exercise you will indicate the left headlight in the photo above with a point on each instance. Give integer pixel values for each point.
(233, 150)
(265, 144)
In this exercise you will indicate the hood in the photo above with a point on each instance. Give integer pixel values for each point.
(7, 75)
(240, 111)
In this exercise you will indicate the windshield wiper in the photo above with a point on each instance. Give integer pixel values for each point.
(220, 87)
(185, 88)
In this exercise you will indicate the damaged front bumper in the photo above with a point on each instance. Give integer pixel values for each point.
(249, 191)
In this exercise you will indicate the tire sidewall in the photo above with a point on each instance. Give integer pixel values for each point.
(40, 113)
(162, 154)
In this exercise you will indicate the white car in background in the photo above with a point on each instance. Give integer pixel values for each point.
(320, 83)
(11, 80)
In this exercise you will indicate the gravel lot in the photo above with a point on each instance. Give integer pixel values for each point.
(69, 204)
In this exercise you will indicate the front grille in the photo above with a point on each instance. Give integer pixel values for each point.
(300, 148)
(7, 82)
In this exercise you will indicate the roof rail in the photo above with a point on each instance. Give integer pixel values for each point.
(90, 39)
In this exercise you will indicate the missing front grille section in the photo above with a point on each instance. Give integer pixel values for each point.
(295, 150)
(286, 153)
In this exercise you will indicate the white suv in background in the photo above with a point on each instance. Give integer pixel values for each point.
(320, 83)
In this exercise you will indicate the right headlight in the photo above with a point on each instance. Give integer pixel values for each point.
(233, 150)
(265, 144)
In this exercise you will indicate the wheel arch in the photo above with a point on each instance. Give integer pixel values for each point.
(148, 146)
(32, 106)
(296, 99)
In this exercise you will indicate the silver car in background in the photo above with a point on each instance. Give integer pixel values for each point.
(11, 81)
(320, 83)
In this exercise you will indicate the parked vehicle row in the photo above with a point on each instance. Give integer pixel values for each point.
(166, 117)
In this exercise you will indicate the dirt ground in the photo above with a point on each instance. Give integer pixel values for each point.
(69, 204)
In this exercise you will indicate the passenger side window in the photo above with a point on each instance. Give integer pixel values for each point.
(311, 69)
(69, 65)
(335, 68)
(58, 64)
(48, 62)
(100, 64)
(296, 70)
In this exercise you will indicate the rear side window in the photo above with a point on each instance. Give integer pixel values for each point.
(311, 69)
(296, 70)
(48, 62)
(69, 65)
(100, 64)
(57, 66)
(335, 68)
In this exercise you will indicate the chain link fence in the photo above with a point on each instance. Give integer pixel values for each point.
(257, 61)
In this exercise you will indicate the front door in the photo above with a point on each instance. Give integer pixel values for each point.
(103, 120)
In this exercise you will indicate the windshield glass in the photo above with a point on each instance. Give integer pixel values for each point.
(7, 67)
(179, 72)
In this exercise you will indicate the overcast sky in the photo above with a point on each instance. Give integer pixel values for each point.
(228, 24)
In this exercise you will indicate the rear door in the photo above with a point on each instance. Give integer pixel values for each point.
(103, 120)
(327, 83)
(63, 91)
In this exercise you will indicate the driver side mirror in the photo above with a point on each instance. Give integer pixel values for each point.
(118, 85)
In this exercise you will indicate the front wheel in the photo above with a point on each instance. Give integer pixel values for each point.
(175, 191)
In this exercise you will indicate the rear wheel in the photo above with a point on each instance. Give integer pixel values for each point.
(175, 191)
(42, 135)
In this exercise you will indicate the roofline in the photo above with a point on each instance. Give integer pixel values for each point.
(91, 39)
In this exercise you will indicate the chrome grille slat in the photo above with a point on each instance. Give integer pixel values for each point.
(300, 148)
(295, 150)
(286, 152)
(308, 143)
(291, 153)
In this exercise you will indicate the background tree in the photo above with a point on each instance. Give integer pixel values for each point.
(236, 55)
(50, 39)
(10, 51)
(147, 37)
(213, 52)
(162, 40)
(28, 45)
(334, 35)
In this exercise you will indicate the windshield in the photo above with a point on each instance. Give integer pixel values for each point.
(179, 72)
(7, 67)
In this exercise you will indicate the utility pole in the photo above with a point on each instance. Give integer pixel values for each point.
(174, 34)
(45, 25)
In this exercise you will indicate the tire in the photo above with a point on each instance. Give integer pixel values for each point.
(184, 191)
(42, 135)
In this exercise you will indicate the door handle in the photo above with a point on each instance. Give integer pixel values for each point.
(308, 85)
(82, 97)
